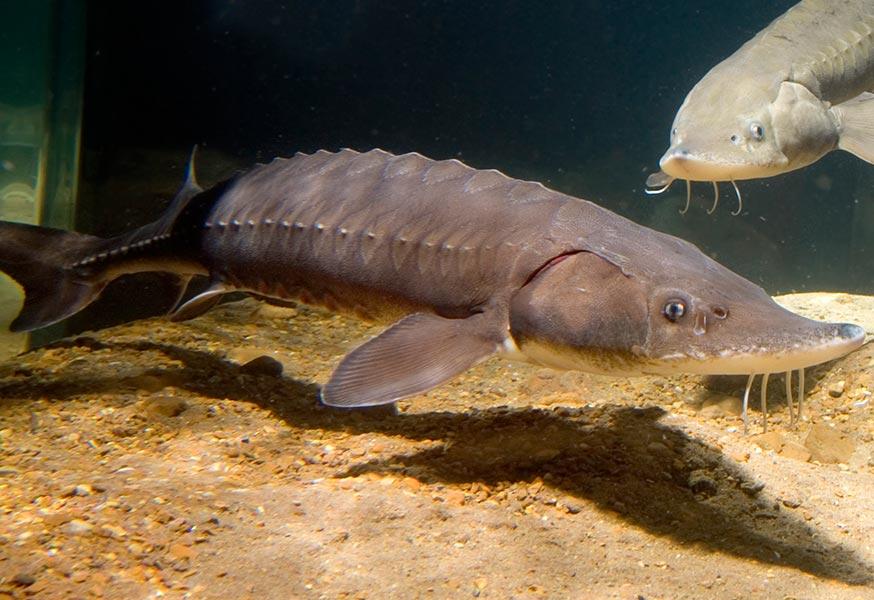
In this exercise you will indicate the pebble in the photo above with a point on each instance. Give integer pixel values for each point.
(273, 311)
(720, 405)
(752, 488)
(828, 445)
(113, 531)
(791, 502)
(166, 406)
(180, 552)
(836, 389)
(262, 365)
(83, 489)
(702, 484)
(772, 440)
(795, 451)
(78, 527)
(657, 448)
(24, 579)
(572, 507)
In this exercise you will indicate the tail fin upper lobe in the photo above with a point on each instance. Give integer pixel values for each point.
(40, 259)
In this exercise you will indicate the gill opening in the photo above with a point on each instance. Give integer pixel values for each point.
(794, 416)
(550, 263)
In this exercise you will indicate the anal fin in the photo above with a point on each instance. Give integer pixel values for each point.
(415, 354)
(856, 119)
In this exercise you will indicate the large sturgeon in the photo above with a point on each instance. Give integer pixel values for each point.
(466, 263)
(796, 91)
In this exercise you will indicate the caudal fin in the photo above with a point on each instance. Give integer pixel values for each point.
(40, 259)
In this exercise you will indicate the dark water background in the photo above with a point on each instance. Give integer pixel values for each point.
(577, 94)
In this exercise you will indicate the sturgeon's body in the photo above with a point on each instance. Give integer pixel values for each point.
(467, 263)
(796, 91)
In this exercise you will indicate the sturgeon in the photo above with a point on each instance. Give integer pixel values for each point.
(796, 91)
(465, 263)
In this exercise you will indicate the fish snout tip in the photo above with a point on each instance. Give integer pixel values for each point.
(852, 334)
(672, 160)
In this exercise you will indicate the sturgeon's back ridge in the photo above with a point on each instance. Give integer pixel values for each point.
(378, 221)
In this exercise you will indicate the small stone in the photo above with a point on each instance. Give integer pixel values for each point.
(78, 527)
(795, 451)
(740, 456)
(262, 365)
(657, 448)
(836, 389)
(24, 579)
(773, 440)
(167, 406)
(113, 531)
(273, 311)
(83, 489)
(411, 483)
(455, 497)
(720, 405)
(572, 507)
(861, 458)
(752, 488)
(56, 519)
(479, 584)
(150, 382)
(703, 484)
(828, 445)
(791, 502)
(181, 552)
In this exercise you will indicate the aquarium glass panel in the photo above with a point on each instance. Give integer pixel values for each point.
(42, 62)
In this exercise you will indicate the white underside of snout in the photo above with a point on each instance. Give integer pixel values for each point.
(759, 360)
(726, 362)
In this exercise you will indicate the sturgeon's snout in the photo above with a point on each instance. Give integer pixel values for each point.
(781, 350)
(679, 162)
(852, 334)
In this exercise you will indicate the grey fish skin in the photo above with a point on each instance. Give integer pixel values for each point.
(796, 91)
(466, 263)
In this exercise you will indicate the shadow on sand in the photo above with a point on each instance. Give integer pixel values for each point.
(621, 459)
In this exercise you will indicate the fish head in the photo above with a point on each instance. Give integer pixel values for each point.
(735, 125)
(675, 311)
(724, 132)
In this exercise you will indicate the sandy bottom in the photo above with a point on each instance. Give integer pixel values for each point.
(150, 460)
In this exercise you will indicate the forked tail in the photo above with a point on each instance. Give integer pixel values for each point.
(41, 260)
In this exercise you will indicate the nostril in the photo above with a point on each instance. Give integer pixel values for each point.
(681, 152)
(719, 312)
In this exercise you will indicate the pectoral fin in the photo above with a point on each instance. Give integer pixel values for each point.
(200, 303)
(856, 123)
(414, 355)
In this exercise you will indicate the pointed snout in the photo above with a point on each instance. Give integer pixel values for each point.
(680, 163)
(706, 162)
(852, 334)
(780, 350)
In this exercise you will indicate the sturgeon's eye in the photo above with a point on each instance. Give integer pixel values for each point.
(673, 310)
(757, 131)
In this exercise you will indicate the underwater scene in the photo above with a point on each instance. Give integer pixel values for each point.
(436, 299)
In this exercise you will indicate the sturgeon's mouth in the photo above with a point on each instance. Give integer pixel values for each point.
(680, 162)
(767, 358)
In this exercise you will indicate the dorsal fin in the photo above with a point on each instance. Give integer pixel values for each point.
(190, 188)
